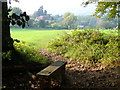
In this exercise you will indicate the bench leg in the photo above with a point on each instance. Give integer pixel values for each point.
(63, 75)
(60, 75)
(44, 83)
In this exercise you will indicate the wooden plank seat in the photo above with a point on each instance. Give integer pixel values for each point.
(55, 71)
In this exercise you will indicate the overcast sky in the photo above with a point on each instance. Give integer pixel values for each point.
(55, 6)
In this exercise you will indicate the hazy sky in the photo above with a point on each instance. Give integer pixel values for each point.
(55, 6)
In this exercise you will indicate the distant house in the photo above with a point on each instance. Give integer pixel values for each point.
(80, 26)
(42, 18)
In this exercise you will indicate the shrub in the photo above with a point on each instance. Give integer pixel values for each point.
(88, 45)
(7, 55)
(29, 53)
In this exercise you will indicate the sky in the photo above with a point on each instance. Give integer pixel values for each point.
(55, 7)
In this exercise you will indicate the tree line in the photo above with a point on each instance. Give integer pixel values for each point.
(41, 19)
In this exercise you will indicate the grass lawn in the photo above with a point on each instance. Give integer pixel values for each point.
(41, 38)
(36, 38)
(112, 32)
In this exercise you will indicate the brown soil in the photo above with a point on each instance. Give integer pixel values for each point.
(79, 75)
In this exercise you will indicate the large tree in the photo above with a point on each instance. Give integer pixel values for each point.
(103, 8)
(111, 9)
(7, 41)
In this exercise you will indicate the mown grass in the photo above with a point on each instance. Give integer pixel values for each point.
(34, 37)
(110, 32)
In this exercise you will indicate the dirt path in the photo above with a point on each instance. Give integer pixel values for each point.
(78, 75)
(81, 76)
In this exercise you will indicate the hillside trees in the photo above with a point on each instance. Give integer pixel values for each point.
(67, 21)
(39, 12)
(31, 23)
(42, 24)
(107, 23)
(91, 22)
(40, 18)
(86, 21)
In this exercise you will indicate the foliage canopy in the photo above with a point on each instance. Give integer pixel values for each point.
(105, 8)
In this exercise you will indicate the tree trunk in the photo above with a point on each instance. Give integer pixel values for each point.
(7, 41)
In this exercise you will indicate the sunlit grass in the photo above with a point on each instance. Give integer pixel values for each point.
(40, 38)
(36, 38)
(112, 32)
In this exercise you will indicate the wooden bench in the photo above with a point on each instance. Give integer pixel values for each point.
(55, 71)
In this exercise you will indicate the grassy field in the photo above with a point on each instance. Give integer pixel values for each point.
(36, 38)
(41, 38)
(108, 32)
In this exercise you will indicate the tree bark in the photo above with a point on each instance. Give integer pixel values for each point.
(7, 41)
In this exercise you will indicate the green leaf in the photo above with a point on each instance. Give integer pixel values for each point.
(23, 25)
(13, 22)
(27, 18)
(21, 15)
(24, 14)
(23, 20)
(13, 15)
(19, 23)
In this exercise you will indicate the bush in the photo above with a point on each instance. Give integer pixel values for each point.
(29, 53)
(7, 55)
(87, 45)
